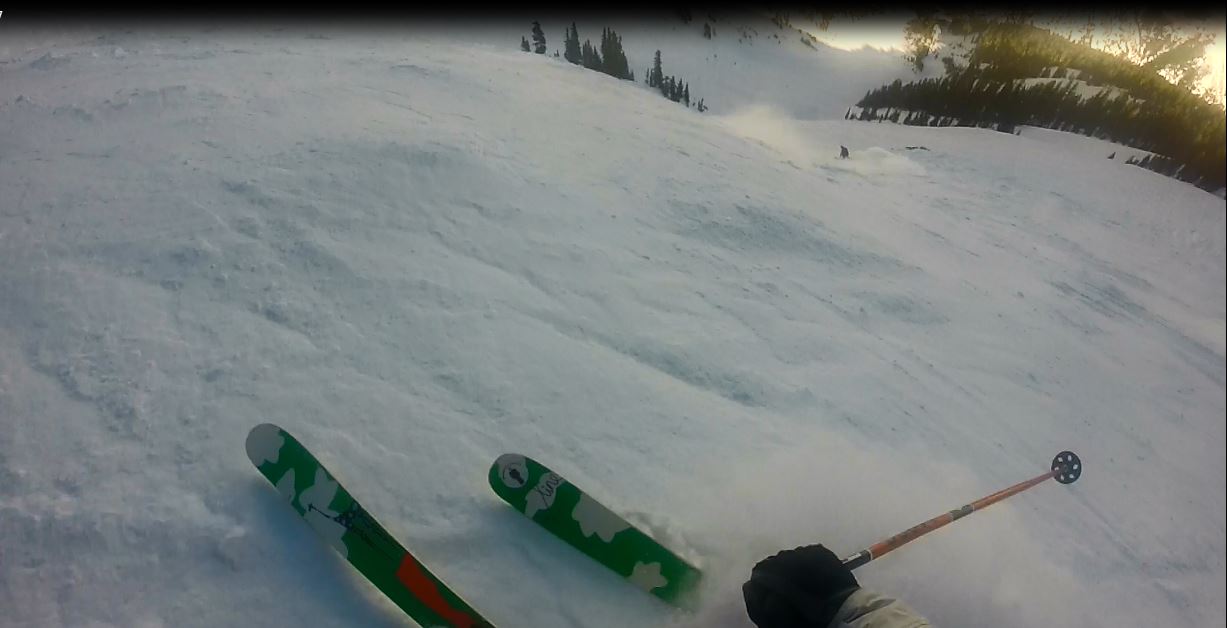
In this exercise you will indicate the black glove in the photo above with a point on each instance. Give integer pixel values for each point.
(798, 588)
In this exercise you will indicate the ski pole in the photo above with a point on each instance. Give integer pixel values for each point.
(1066, 468)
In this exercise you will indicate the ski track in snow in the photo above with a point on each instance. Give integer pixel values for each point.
(417, 253)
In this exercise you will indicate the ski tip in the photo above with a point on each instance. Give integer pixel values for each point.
(264, 443)
(511, 470)
(510, 457)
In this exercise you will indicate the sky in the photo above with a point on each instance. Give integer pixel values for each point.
(886, 33)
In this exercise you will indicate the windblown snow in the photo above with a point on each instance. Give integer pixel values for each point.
(420, 250)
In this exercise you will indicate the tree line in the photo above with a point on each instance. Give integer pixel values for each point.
(1147, 112)
(609, 58)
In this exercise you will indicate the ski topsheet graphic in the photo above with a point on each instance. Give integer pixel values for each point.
(573, 516)
(350, 530)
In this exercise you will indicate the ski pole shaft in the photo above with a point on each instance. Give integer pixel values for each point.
(1066, 468)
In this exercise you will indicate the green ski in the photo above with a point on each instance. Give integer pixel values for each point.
(584, 523)
(350, 530)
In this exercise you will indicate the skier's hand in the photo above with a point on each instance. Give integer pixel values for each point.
(798, 588)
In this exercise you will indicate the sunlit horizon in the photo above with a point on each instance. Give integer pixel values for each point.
(885, 33)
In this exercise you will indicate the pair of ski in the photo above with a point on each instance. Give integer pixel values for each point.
(528, 486)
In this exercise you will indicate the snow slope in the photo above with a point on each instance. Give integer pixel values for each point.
(416, 252)
(1088, 147)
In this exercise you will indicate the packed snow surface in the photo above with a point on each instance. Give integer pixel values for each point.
(417, 251)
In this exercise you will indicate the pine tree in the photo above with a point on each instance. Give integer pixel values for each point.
(615, 63)
(656, 76)
(615, 58)
(707, 30)
(571, 45)
(524, 44)
(538, 38)
(589, 56)
(686, 95)
(607, 63)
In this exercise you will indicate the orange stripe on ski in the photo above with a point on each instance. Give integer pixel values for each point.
(411, 575)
